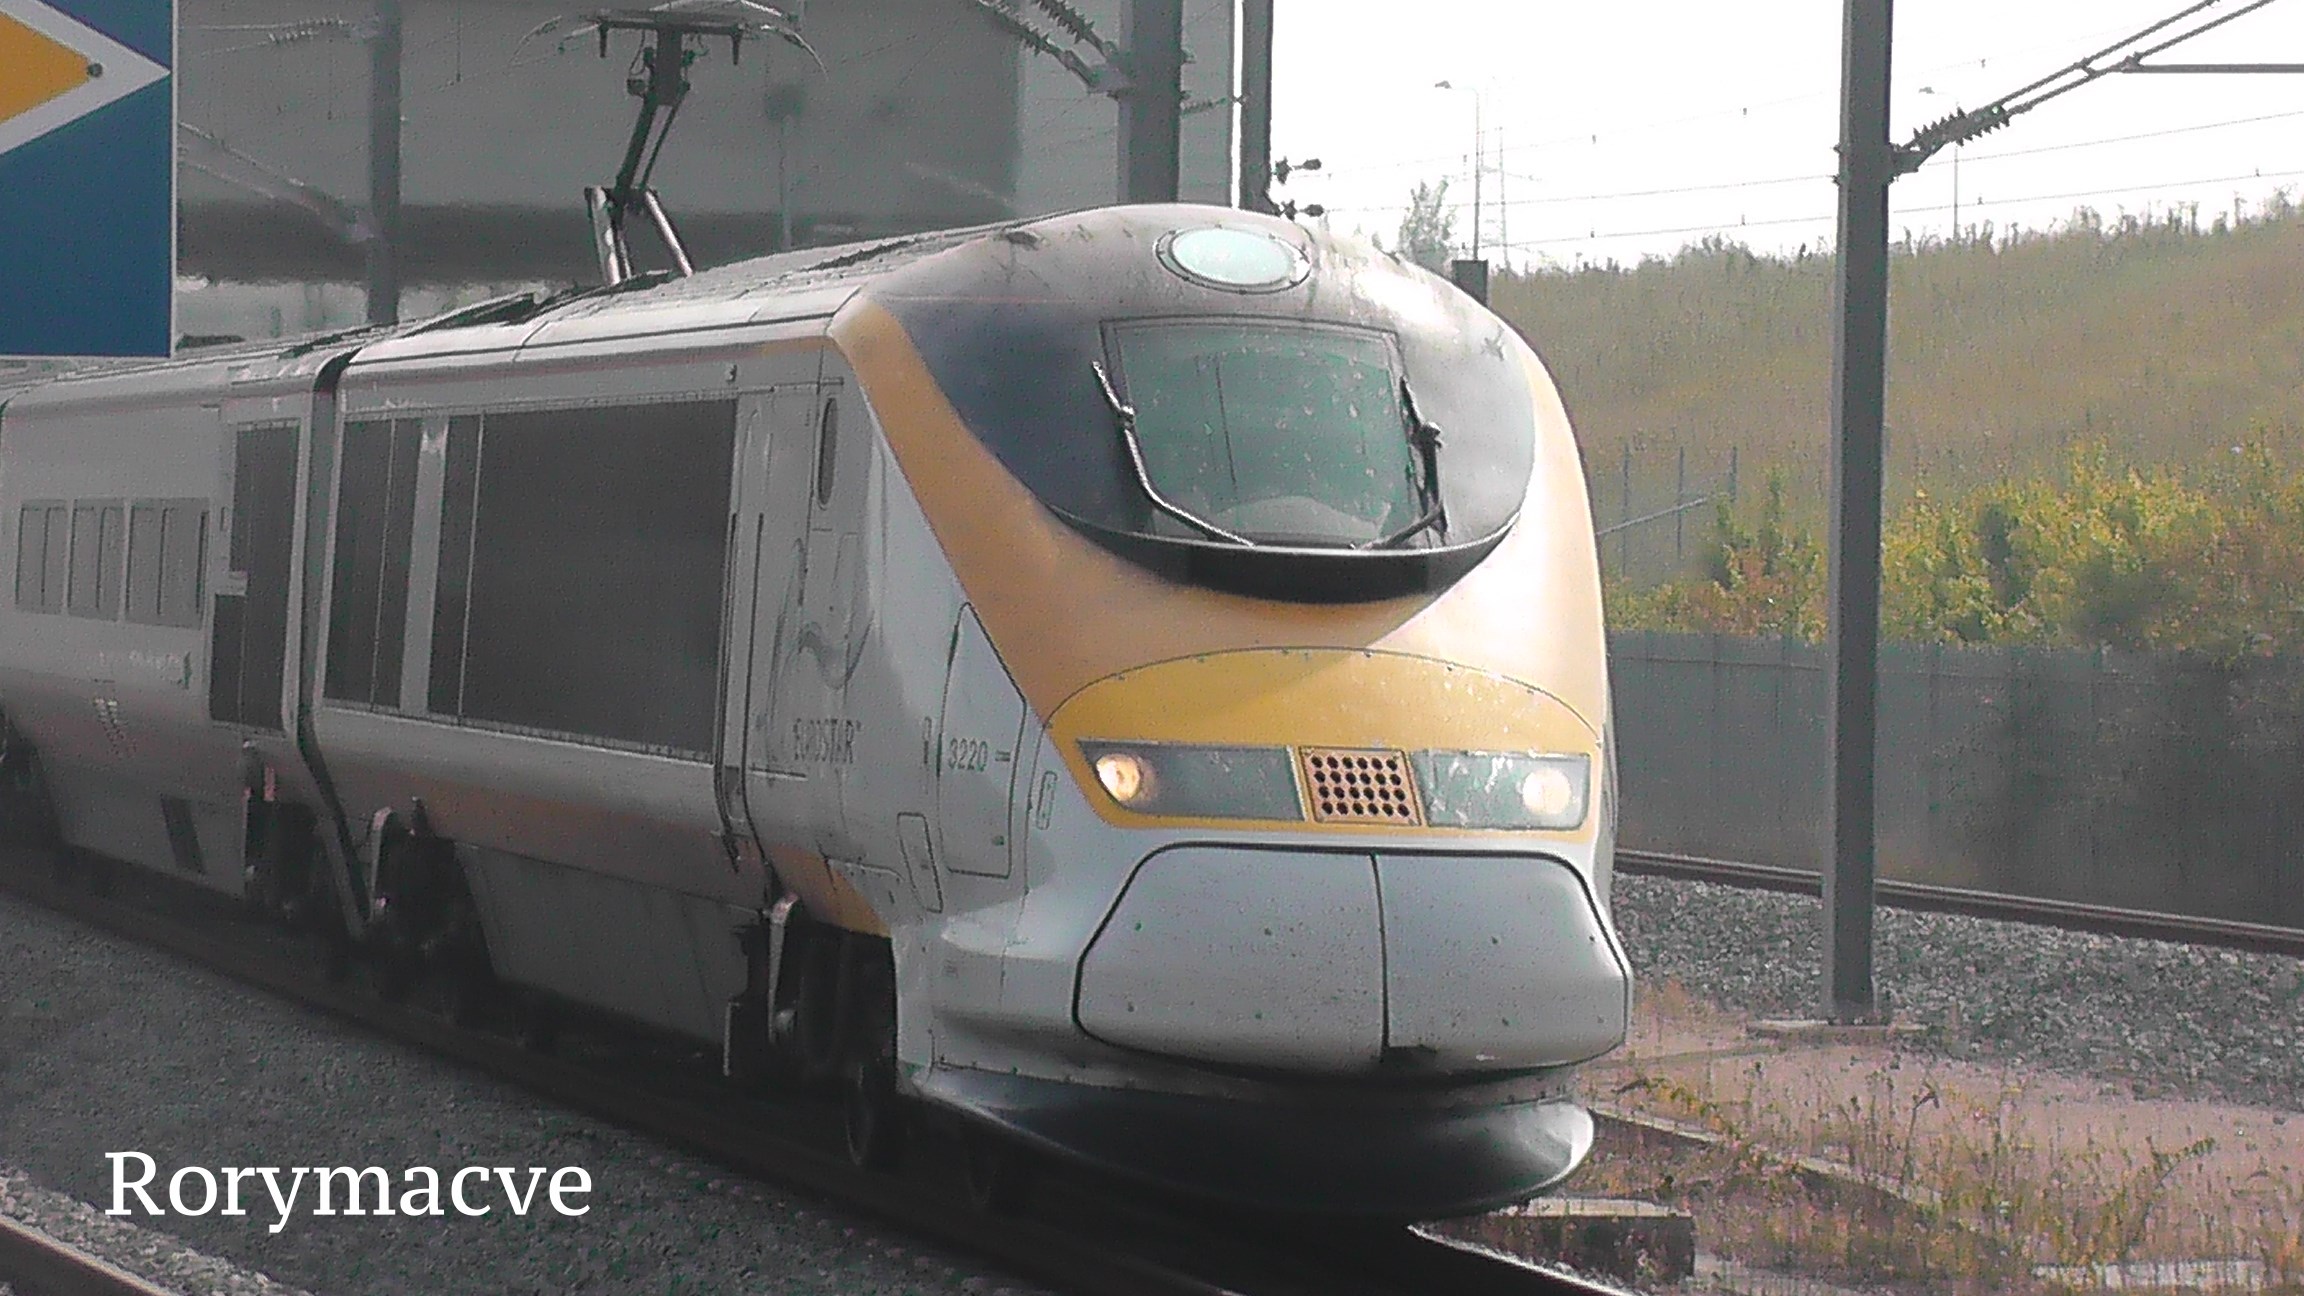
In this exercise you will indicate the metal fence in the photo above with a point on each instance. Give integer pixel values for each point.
(1655, 511)
(2157, 783)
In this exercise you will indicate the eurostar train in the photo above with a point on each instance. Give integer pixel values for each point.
(1129, 684)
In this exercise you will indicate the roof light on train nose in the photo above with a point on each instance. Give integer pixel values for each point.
(1547, 792)
(1125, 776)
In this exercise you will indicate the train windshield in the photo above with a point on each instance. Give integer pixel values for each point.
(1271, 433)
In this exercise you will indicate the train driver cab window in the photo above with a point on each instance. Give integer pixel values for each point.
(99, 535)
(1279, 434)
(167, 551)
(43, 548)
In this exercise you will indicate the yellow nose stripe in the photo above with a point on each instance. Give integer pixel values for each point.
(34, 69)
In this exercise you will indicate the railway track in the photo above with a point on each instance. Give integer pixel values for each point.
(1092, 1242)
(35, 1264)
(2105, 920)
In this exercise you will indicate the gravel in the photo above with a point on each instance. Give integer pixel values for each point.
(2159, 1019)
(107, 1047)
(156, 1257)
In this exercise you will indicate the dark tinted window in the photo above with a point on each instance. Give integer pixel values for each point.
(111, 547)
(249, 637)
(43, 549)
(183, 559)
(53, 567)
(451, 600)
(367, 614)
(597, 562)
(167, 557)
(144, 561)
(86, 522)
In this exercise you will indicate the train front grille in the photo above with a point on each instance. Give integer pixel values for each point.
(1353, 785)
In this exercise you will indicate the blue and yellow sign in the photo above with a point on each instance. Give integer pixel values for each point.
(87, 177)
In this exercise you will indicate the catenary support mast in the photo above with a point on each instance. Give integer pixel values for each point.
(1151, 109)
(1868, 165)
(1859, 380)
(384, 165)
(1256, 105)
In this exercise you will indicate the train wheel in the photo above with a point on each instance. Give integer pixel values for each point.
(816, 1034)
(280, 868)
(471, 995)
(999, 1174)
(335, 954)
(91, 872)
(874, 1117)
(536, 1023)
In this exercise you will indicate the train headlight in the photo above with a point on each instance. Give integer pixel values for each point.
(1197, 782)
(1504, 789)
(1125, 776)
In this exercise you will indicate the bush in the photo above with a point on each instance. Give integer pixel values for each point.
(2209, 562)
(1767, 579)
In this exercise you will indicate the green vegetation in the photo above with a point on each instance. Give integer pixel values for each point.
(2207, 559)
(2164, 342)
(1428, 232)
(2089, 432)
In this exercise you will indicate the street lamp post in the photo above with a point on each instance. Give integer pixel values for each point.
(1479, 157)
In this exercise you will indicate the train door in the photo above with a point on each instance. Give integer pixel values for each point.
(248, 642)
(774, 478)
(803, 728)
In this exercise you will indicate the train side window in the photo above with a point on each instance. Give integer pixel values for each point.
(599, 549)
(43, 548)
(167, 555)
(96, 537)
(368, 598)
(144, 562)
(31, 551)
(183, 560)
(111, 542)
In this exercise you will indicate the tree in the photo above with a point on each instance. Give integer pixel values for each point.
(1428, 231)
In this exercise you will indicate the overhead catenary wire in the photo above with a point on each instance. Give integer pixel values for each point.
(1593, 136)
(1076, 25)
(1009, 17)
(1814, 177)
(1825, 218)
(1968, 124)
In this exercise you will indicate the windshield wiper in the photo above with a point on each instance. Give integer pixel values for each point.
(1424, 438)
(1126, 414)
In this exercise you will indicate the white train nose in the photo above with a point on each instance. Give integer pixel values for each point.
(1338, 961)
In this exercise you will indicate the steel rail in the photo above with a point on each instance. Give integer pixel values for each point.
(2069, 915)
(35, 1264)
(712, 1125)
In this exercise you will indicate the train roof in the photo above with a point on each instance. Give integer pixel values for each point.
(805, 284)
(810, 281)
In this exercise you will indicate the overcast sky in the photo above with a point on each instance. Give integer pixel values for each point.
(1731, 109)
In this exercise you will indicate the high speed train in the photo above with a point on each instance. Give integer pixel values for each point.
(1129, 684)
